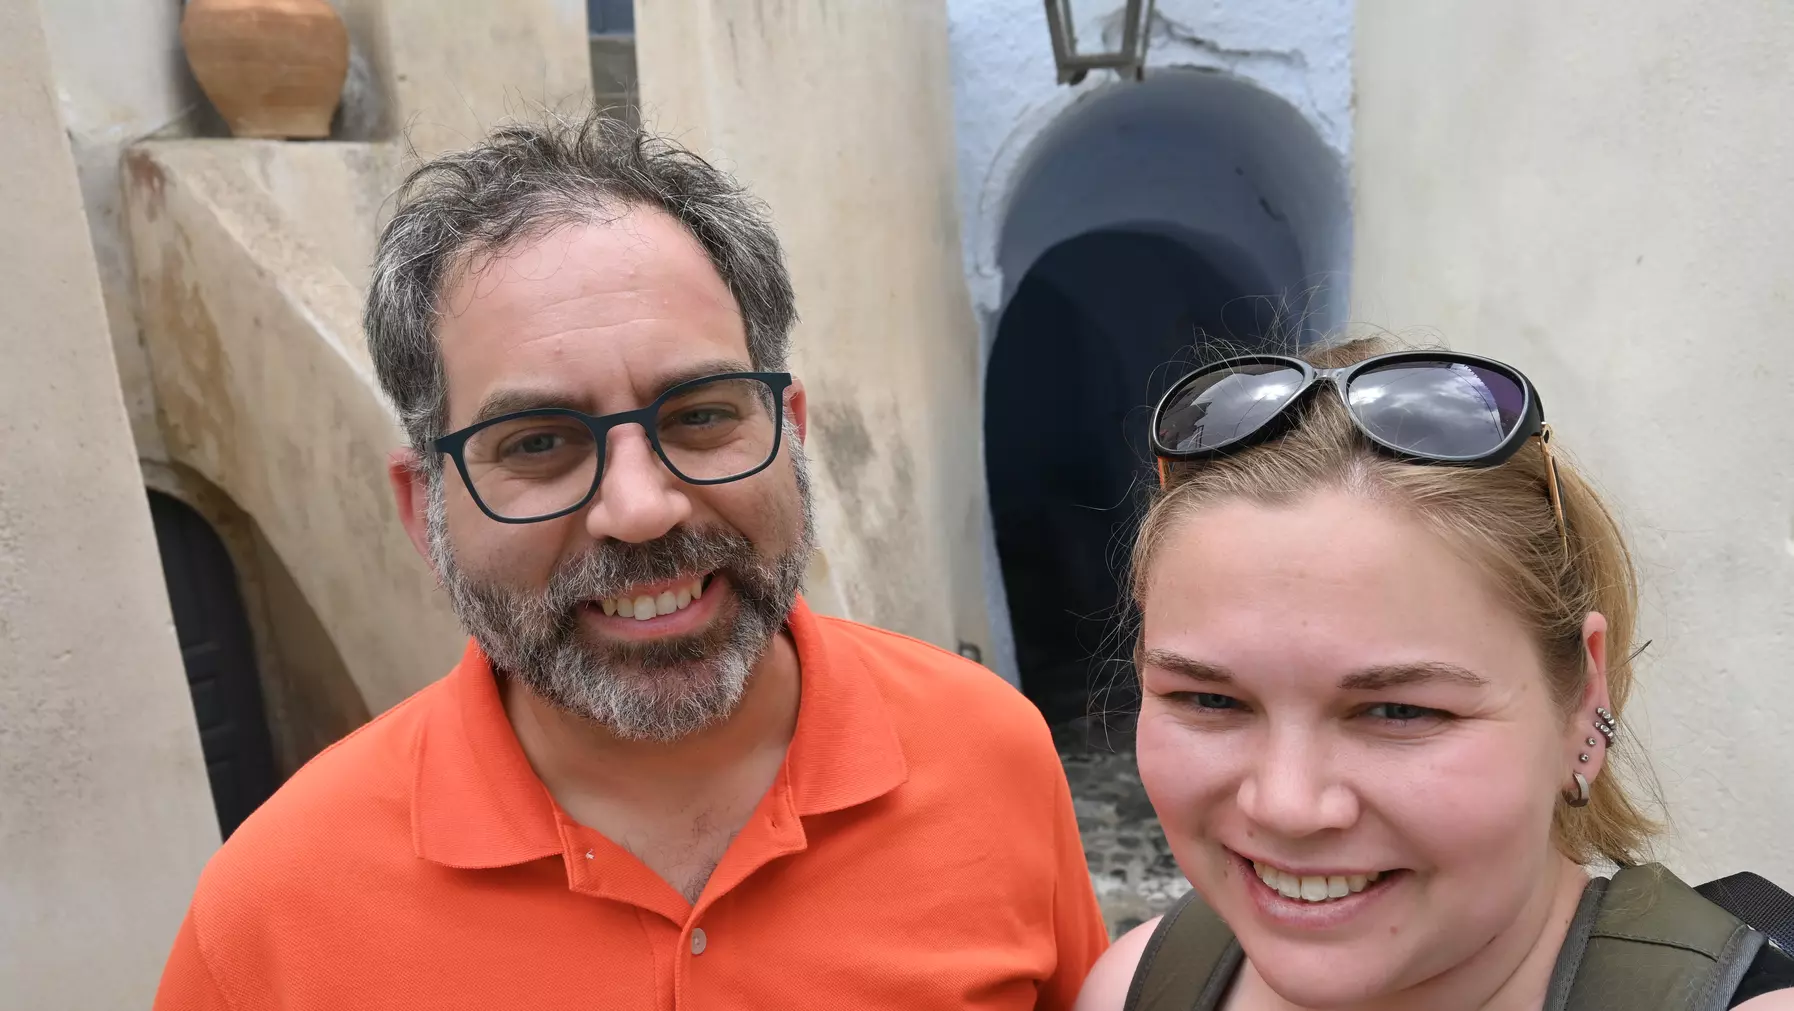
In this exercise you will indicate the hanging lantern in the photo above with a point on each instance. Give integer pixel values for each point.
(1129, 62)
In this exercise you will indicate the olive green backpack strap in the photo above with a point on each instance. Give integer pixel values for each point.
(1645, 941)
(1189, 961)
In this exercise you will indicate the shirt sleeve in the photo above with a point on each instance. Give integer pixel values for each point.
(1078, 925)
(187, 983)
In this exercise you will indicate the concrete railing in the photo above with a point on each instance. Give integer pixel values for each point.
(251, 317)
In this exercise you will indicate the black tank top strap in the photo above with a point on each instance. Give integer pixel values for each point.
(1189, 962)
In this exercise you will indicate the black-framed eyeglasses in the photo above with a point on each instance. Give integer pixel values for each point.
(1439, 407)
(546, 462)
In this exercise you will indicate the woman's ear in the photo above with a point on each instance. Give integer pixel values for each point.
(1590, 758)
(1594, 649)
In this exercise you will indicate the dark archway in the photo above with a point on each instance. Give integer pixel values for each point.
(1095, 331)
(219, 654)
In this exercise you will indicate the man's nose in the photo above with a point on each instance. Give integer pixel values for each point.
(638, 498)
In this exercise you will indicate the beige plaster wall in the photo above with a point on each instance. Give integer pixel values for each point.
(120, 76)
(105, 814)
(265, 386)
(1602, 198)
(451, 69)
(840, 117)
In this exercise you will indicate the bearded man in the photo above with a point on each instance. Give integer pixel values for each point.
(656, 780)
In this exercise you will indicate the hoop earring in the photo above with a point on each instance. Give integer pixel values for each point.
(1580, 797)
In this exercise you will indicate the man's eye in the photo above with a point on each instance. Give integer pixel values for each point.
(533, 444)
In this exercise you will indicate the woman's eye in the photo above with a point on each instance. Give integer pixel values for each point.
(1210, 700)
(1400, 712)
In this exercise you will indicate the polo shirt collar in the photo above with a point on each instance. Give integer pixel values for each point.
(845, 750)
(477, 803)
(475, 800)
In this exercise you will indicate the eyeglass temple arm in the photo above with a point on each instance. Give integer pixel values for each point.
(1557, 501)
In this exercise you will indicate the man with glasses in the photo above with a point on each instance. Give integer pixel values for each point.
(656, 779)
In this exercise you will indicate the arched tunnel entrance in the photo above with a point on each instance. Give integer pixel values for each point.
(1089, 338)
(1153, 225)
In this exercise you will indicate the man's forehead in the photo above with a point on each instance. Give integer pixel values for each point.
(639, 250)
(602, 316)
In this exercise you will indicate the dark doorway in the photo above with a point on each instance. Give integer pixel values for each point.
(219, 654)
(1097, 329)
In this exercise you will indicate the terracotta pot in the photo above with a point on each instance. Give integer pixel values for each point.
(274, 68)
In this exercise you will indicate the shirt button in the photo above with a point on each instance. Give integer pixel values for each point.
(698, 941)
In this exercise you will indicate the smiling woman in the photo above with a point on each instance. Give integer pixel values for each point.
(1386, 639)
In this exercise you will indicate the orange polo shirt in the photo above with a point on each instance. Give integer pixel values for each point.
(917, 850)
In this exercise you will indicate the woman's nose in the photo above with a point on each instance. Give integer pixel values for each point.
(1292, 788)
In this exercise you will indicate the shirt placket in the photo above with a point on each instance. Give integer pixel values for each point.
(774, 831)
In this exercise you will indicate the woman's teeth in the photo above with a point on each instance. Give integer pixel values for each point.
(1312, 888)
(644, 607)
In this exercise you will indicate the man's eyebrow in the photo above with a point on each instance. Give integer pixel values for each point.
(1182, 665)
(1397, 675)
(685, 374)
(501, 402)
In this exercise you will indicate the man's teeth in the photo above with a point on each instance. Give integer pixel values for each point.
(644, 607)
(1312, 888)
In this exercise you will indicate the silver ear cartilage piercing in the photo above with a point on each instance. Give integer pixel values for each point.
(1604, 725)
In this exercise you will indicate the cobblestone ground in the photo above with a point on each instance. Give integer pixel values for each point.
(1130, 864)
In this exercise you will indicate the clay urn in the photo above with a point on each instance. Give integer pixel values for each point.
(274, 68)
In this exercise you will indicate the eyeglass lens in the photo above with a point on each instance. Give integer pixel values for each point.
(538, 465)
(1222, 407)
(1437, 409)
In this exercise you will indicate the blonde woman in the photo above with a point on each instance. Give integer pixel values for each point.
(1384, 660)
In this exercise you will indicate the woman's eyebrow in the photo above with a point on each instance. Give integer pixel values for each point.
(1367, 680)
(1398, 675)
(1177, 663)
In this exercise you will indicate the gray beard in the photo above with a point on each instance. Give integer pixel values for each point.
(645, 691)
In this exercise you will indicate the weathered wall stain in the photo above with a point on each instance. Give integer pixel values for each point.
(871, 471)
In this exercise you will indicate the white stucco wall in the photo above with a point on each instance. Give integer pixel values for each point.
(1602, 199)
(1242, 130)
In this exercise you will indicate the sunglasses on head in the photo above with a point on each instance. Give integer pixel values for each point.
(1436, 407)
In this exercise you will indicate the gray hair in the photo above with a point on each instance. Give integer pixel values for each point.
(523, 181)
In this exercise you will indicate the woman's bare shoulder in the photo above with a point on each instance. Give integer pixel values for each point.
(1105, 989)
(1781, 1000)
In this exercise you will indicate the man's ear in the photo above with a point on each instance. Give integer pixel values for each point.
(798, 407)
(411, 492)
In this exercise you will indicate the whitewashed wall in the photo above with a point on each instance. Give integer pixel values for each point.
(1006, 97)
(1601, 198)
(1264, 84)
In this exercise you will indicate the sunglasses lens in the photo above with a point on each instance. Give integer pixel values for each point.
(1224, 406)
(1445, 410)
